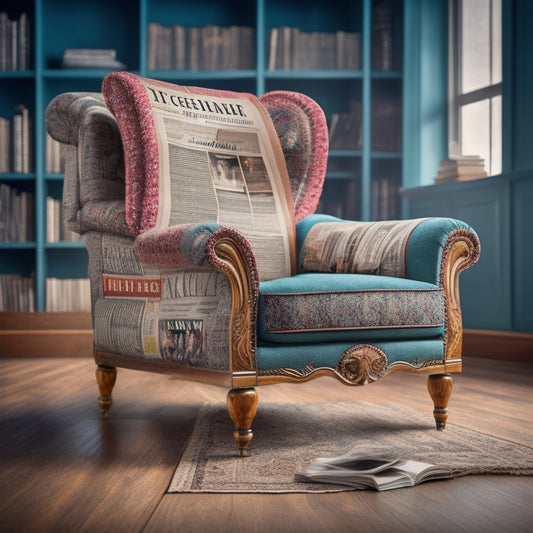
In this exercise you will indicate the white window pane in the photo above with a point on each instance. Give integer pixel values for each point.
(475, 130)
(496, 41)
(496, 141)
(475, 44)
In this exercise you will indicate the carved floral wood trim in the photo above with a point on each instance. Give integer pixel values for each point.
(358, 365)
(460, 252)
(229, 253)
(362, 364)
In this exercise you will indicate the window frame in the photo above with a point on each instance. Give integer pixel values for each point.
(457, 99)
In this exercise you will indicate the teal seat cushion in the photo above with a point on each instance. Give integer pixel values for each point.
(327, 307)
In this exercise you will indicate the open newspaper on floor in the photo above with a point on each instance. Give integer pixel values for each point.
(371, 472)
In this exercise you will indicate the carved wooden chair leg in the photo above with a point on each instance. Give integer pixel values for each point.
(105, 377)
(242, 406)
(440, 389)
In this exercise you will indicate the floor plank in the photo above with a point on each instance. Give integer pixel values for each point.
(64, 469)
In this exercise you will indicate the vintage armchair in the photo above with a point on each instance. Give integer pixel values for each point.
(390, 304)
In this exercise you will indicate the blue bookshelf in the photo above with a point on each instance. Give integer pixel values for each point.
(354, 174)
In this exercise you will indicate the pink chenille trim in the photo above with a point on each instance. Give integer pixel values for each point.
(128, 100)
(309, 192)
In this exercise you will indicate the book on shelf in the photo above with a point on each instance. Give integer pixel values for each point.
(382, 36)
(211, 47)
(293, 49)
(55, 230)
(68, 295)
(17, 215)
(15, 142)
(461, 168)
(54, 160)
(386, 198)
(372, 472)
(15, 43)
(386, 116)
(17, 293)
(105, 58)
(345, 128)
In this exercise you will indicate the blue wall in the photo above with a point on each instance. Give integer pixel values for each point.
(497, 292)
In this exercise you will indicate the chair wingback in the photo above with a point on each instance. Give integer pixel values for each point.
(93, 152)
(303, 133)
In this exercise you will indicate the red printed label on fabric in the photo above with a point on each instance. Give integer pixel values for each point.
(131, 286)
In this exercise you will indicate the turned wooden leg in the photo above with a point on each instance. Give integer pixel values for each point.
(105, 377)
(242, 406)
(440, 389)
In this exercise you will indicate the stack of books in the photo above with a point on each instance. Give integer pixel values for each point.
(461, 168)
(91, 58)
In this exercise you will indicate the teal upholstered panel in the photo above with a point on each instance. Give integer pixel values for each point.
(317, 307)
(318, 355)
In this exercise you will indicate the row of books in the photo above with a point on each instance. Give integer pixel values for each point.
(55, 231)
(14, 43)
(386, 198)
(345, 128)
(342, 201)
(15, 142)
(176, 47)
(292, 49)
(17, 215)
(386, 131)
(17, 293)
(68, 295)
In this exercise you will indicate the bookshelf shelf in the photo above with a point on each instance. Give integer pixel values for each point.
(314, 74)
(183, 75)
(376, 73)
(28, 74)
(18, 245)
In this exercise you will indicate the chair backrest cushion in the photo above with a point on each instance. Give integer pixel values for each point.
(175, 139)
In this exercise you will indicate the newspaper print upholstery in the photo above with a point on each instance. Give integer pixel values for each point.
(182, 317)
(358, 247)
(303, 133)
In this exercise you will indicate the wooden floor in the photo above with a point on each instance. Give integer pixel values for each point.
(62, 469)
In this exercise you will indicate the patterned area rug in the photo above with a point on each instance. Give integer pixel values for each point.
(287, 436)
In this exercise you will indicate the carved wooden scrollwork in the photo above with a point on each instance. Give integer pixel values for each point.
(362, 364)
(460, 252)
(232, 262)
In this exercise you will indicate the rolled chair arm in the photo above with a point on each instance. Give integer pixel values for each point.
(181, 246)
(65, 114)
(94, 186)
(226, 250)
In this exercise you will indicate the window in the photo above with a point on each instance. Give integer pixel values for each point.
(475, 125)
